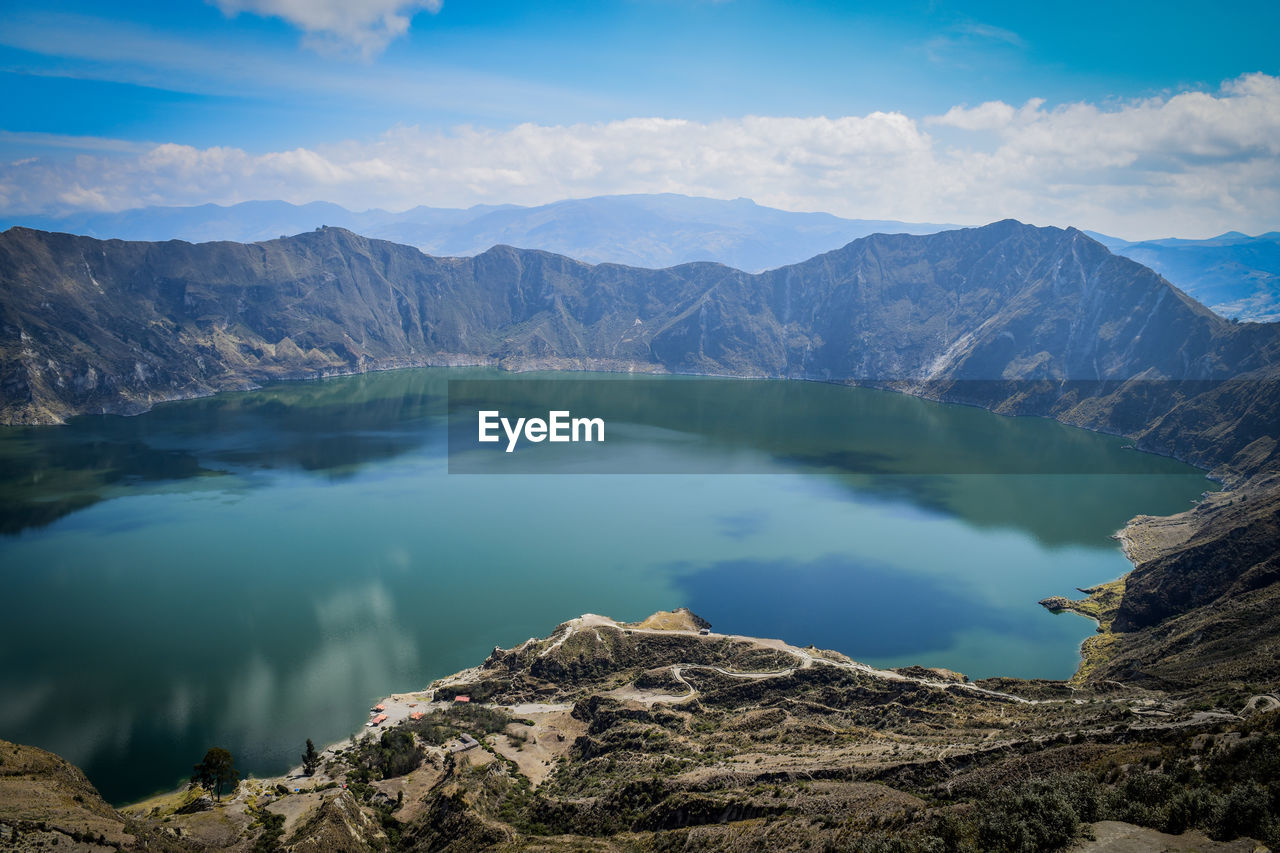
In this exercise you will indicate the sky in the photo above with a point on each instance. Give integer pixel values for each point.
(1136, 119)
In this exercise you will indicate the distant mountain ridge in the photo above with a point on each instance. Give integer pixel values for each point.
(1234, 274)
(640, 230)
(1237, 276)
(1016, 319)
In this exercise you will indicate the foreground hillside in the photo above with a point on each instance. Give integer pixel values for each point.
(662, 735)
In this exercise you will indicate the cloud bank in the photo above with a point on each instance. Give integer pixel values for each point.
(1192, 164)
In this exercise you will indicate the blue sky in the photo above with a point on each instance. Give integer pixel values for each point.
(361, 82)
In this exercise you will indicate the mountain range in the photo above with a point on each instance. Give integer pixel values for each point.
(640, 230)
(1235, 275)
(1018, 319)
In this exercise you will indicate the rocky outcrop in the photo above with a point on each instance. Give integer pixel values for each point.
(451, 824)
(1230, 551)
(1200, 607)
(338, 825)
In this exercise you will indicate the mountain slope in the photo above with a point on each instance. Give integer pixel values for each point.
(1018, 319)
(1237, 276)
(46, 802)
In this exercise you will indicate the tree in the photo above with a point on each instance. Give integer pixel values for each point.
(310, 759)
(217, 771)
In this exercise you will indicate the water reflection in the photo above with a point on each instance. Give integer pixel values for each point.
(156, 666)
(839, 601)
(877, 444)
(332, 428)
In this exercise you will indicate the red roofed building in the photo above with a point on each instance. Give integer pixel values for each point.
(462, 698)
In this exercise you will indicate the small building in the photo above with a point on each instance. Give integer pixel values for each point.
(463, 743)
(378, 720)
(462, 698)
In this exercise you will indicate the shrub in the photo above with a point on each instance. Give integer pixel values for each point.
(394, 754)
(1247, 812)
(1035, 816)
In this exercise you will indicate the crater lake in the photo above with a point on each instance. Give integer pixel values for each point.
(254, 569)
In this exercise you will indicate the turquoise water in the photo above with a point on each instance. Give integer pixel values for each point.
(253, 569)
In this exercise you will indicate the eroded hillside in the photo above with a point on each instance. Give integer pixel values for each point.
(664, 735)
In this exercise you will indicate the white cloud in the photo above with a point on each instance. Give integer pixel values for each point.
(368, 25)
(992, 33)
(968, 43)
(1191, 164)
(990, 116)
